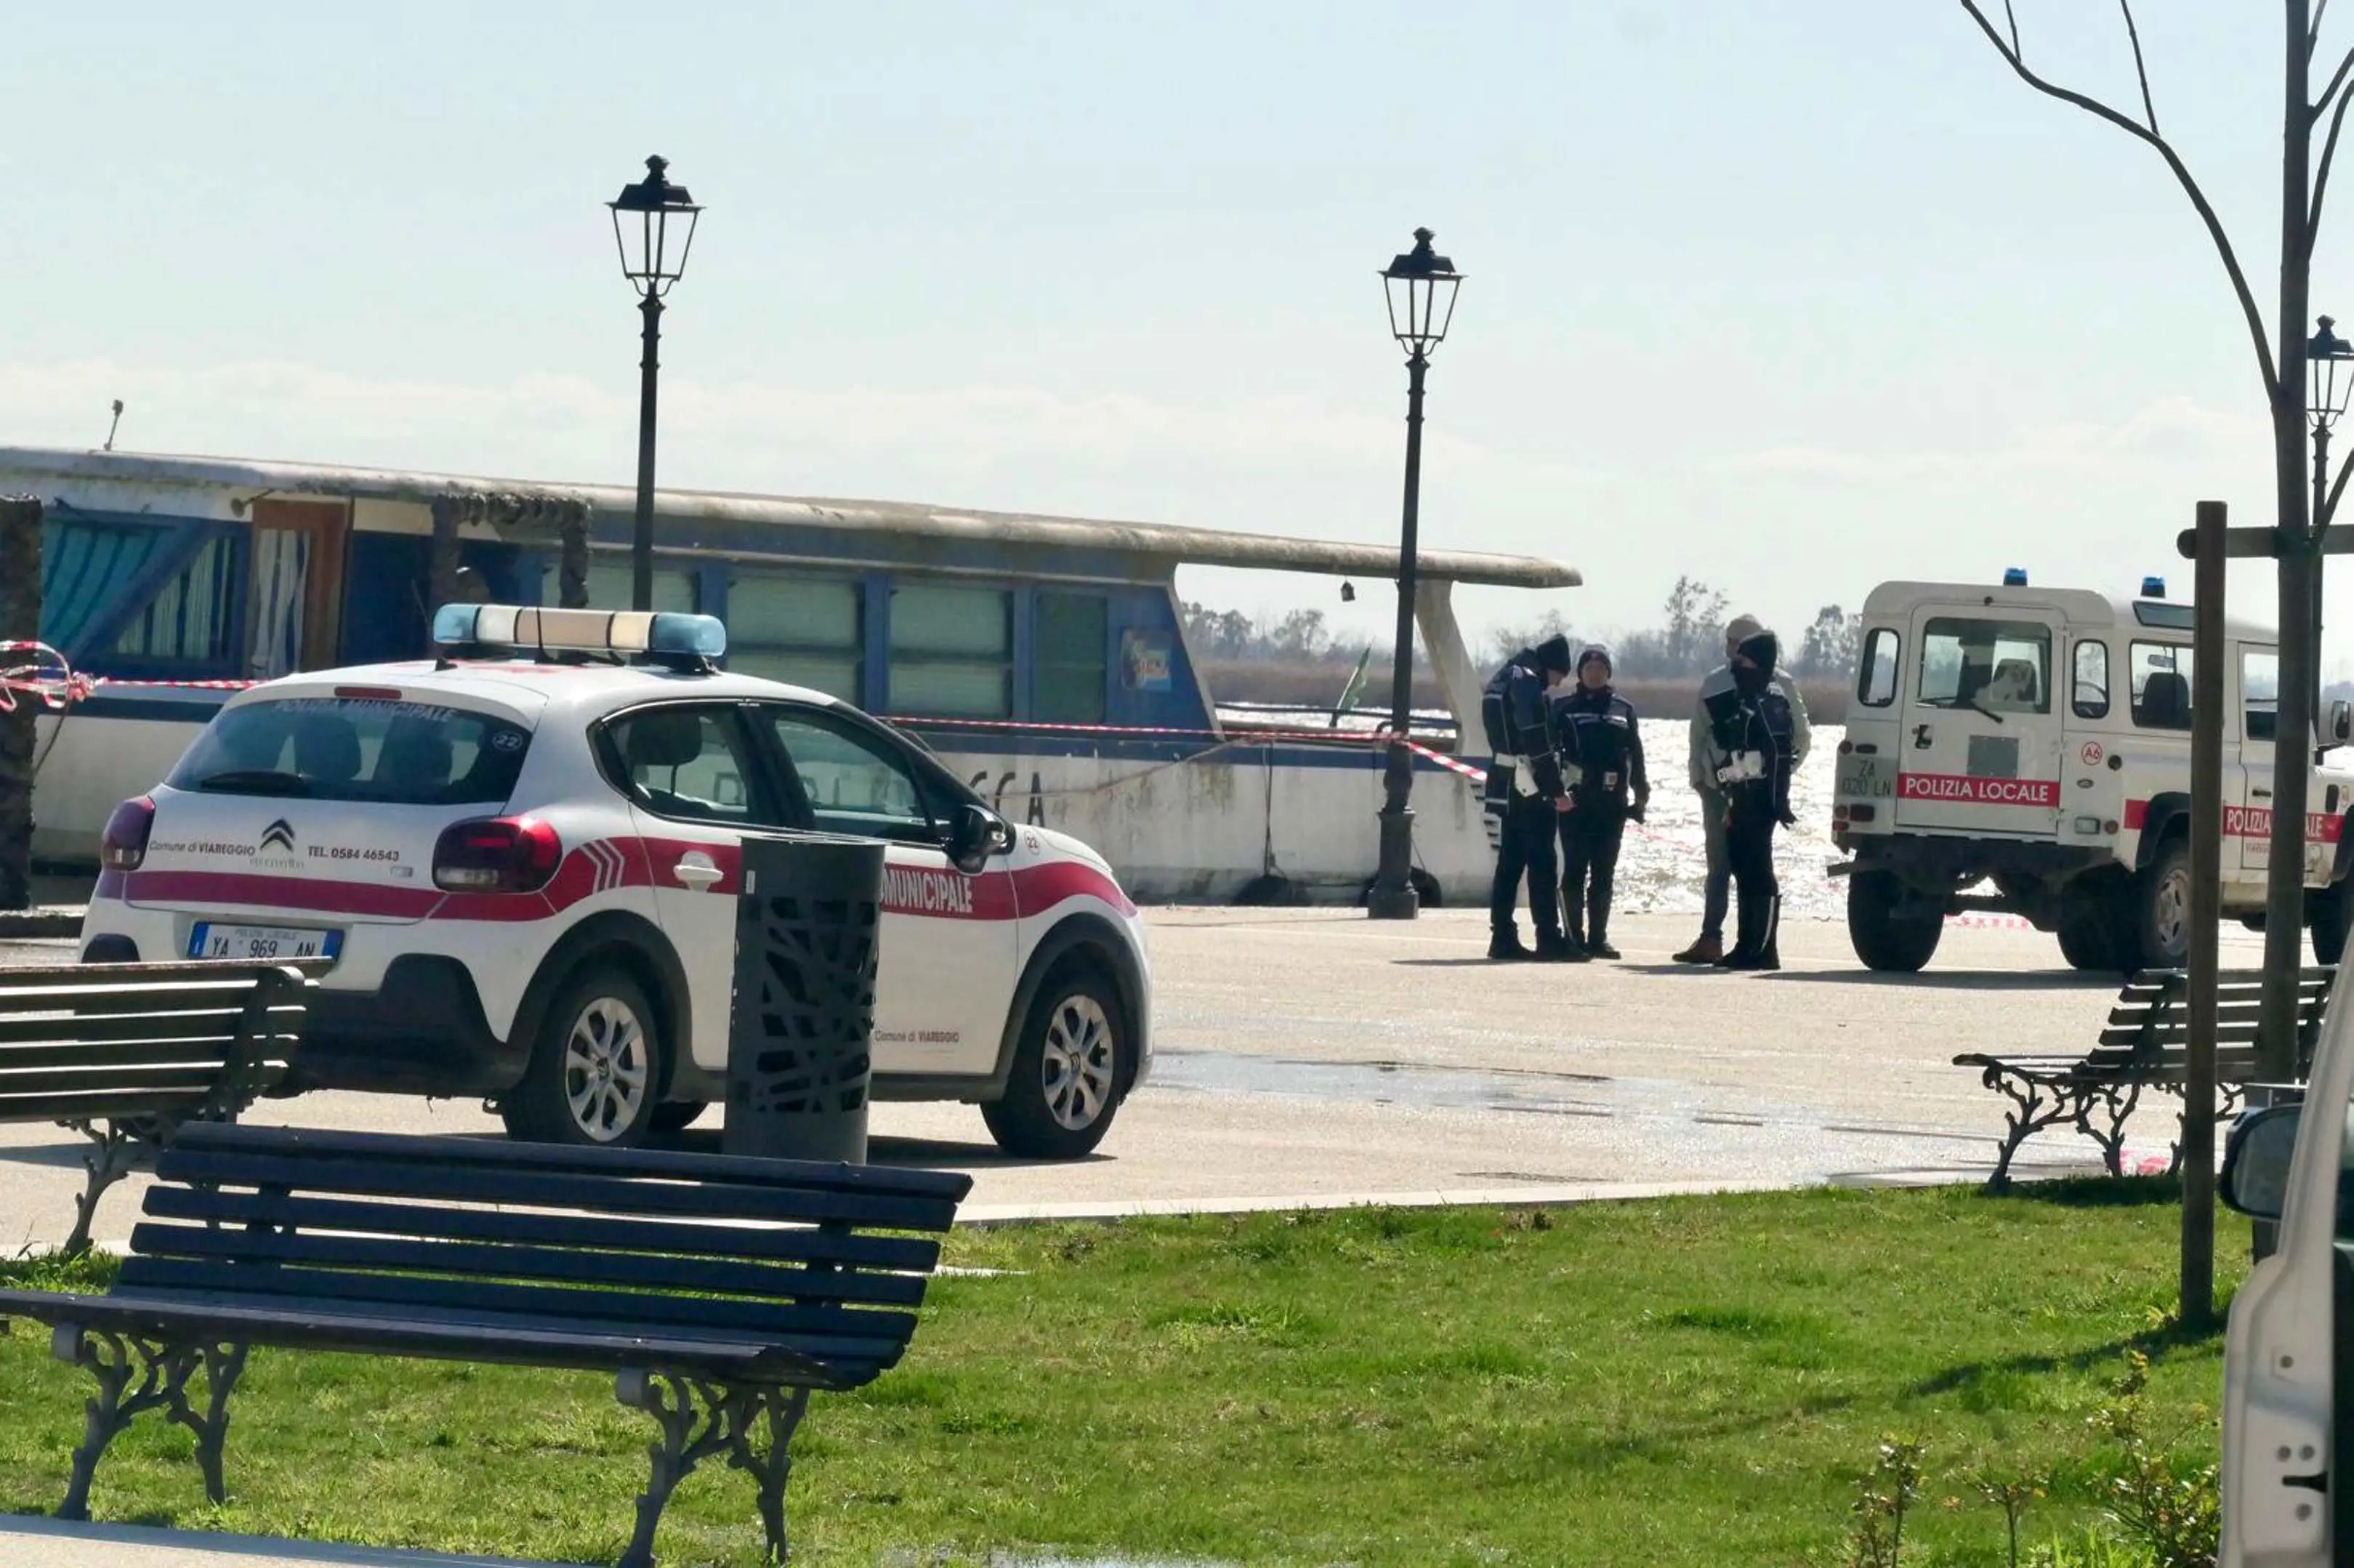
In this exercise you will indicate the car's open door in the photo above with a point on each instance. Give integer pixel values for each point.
(2288, 1418)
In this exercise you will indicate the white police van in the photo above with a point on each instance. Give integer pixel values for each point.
(2027, 750)
(521, 859)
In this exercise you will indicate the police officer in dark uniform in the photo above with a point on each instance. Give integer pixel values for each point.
(1602, 765)
(1752, 725)
(1524, 793)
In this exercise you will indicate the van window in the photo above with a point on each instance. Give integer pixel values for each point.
(1875, 677)
(2260, 692)
(2088, 697)
(2161, 685)
(1995, 666)
(353, 748)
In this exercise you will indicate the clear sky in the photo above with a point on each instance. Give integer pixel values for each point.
(1794, 297)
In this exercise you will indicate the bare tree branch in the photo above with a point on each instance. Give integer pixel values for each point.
(2012, 17)
(2141, 71)
(2321, 173)
(2313, 33)
(2321, 104)
(2223, 241)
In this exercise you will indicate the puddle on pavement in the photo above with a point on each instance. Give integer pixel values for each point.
(1380, 1082)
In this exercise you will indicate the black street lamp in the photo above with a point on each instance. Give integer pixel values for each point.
(2330, 360)
(652, 259)
(1421, 285)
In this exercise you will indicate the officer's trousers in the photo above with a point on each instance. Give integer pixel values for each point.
(1590, 836)
(1524, 849)
(1716, 893)
(1749, 848)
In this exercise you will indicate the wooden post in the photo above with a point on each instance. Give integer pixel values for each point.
(20, 622)
(2207, 654)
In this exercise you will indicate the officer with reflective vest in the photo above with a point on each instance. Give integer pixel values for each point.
(1524, 793)
(1750, 725)
(1601, 765)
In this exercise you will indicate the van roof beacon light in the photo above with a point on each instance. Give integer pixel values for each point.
(2014, 576)
(2153, 587)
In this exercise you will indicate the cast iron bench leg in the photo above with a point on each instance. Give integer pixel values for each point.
(2030, 1114)
(107, 1161)
(135, 1375)
(700, 1418)
(2117, 1102)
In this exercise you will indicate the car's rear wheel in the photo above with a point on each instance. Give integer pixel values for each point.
(595, 1069)
(1880, 938)
(1069, 1070)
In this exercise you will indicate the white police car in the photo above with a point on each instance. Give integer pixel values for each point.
(521, 858)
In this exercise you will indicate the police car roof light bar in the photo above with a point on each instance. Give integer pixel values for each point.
(2153, 587)
(2014, 576)
(662, 633)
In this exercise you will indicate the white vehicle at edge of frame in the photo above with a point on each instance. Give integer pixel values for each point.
(521, 859)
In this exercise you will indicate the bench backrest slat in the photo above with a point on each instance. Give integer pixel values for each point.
(902, 1255)
(567, 1265)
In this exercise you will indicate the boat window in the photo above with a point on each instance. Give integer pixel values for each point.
(1875, 679)
(952, 651)
(1072, 668)
(355, 749)
(2260, 692)
(1994, 666)
(84, 568)
(2089, 698)
(854, 782)
(805, 631)
(612, 584)
(2161, 685)
(187, 621)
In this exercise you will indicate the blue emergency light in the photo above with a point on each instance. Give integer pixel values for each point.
(665, 632)
(2014, 576)
(2153, 587)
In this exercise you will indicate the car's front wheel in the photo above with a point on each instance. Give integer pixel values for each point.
(595, 1069)
(1069, 1070)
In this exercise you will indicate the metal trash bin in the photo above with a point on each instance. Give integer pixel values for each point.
(808, 931)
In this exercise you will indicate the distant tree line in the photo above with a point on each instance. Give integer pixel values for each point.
(1688, 640)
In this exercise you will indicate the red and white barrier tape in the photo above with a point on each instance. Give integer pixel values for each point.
(46, 677)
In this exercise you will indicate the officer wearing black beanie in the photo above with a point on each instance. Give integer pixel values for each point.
(1752, 725)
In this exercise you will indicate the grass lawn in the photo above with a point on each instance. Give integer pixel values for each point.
(1693, 1380)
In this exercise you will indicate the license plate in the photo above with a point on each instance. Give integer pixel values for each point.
(263, 942)
(1865, 779)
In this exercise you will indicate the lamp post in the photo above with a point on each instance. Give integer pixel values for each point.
(1421, 286)
(2331, 361)
(642, 215)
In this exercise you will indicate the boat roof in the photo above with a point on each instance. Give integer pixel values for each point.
(737, 522)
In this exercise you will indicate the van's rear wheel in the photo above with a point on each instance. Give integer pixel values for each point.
(2160, 929)
(1880, 938)
(2088, 940)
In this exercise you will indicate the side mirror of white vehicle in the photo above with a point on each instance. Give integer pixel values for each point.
(976, 833)
(2255, 1162)
(2341, 722)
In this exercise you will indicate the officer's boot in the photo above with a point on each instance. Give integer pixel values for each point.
(1554, 947)
(1770, 957)
(1504, 945)
(1598, 929)
(1756, 921)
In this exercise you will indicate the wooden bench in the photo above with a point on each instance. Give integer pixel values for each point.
(718, 1290)
(124, 1053)
(2145, 1045)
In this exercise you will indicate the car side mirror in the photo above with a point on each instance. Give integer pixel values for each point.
(2341, 722)
(976, 833)
(2256, 1160)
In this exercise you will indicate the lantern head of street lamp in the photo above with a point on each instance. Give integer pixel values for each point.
(652, 257)
(2331, 361)
(1421, 285)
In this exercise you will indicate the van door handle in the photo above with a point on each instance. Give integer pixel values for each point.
(697, 872)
